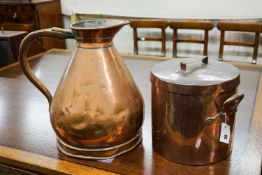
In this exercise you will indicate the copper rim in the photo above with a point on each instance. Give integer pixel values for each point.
(113, 24)
(99, 153)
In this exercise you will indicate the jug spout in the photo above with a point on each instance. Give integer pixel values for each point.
(97, 31)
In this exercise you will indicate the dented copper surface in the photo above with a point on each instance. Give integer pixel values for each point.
(188, 109)
(97, 109)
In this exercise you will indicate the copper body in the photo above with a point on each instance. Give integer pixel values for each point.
(97, 109)
(186, 120)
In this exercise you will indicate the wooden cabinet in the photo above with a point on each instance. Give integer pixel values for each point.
(30, 15)
(9, 46)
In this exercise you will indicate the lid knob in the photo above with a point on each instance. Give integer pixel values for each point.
(183, 65)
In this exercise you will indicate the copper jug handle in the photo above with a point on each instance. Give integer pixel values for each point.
(26, 42)
(229, 107)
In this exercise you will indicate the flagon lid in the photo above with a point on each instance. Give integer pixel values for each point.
(195, 76)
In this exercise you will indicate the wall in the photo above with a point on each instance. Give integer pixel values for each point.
(211, 9)
(200, 9)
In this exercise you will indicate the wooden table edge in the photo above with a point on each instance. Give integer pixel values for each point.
(43, 164)
(251, 163)
(238, 64)
(129, 55)
(34, 57)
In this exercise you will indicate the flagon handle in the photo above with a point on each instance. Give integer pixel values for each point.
(26, 42)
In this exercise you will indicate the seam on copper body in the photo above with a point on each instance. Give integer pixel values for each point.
(101, 149)
(93, 47)
(99, 158)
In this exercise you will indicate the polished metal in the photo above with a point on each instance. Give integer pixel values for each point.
(182, 103)
(198, 79)
(97, 109)
(184, 65)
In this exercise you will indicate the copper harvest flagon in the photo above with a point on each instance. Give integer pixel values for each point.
(97, 109)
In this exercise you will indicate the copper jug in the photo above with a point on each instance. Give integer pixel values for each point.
(97, 109)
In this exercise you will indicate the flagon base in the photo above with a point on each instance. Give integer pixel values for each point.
(99, 153)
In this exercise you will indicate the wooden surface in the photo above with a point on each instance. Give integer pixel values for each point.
(25, 1)
(33, 15)
(29, 143)
(236, 26)
(140, 24)
(9, 46)
(202, 25)
(22, 161)
(251, 161)
(7, 34)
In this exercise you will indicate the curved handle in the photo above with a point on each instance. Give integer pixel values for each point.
(228, 107)
(26, 42)
(231, 104)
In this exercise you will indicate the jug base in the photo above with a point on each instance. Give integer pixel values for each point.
(99, 153)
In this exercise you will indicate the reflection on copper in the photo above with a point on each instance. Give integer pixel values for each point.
(186, 118)
(97, 110)
(198, 143)
(180, 133)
